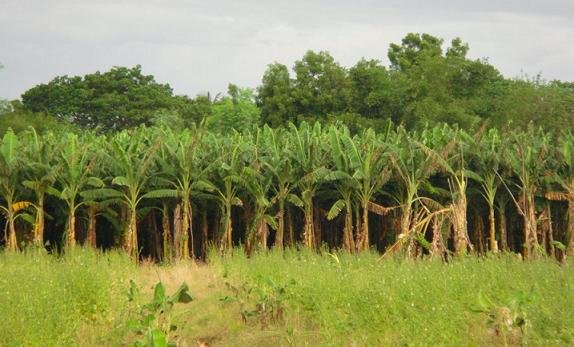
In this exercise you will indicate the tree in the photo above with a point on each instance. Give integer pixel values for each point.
(118, 99)
(238, 111)
(274, 96)
(10, 170)
(40, 174)
(321, 86)
(371, 89)
(77, 163)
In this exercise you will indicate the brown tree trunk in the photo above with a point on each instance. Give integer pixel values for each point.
(308, 228)
(437, 249)
(365, 229)
(290, 228)
(502, 228)
(492, 230)
(461, 244)
(530, 237)
(166, 233)
(91, 239)
(570, 246)
(177, 232)
(71, 236)
(11, 241)
(40, 223)
(405, 236)
(185, 229)
(280, 226)
(204, 234)
(348, 242)
(131, 241)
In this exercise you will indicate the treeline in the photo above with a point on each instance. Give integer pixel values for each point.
(169, 193)
(425, 84)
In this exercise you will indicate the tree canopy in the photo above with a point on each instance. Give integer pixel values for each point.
(426, 82)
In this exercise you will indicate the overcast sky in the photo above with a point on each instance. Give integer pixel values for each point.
(199, 46)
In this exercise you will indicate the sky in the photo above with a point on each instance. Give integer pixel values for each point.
(201, 46)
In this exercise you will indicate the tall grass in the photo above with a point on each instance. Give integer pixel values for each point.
(46, 300)
(341, 299)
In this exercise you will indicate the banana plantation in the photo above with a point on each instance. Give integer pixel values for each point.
(171, 194)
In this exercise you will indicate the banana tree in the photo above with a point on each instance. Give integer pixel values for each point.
(77, 163)
(257, 182)
(40, 175)
(486, 157)
(447, 147)
(528, 159)
(363, 167)
(10, 170)
(412, 166)
(228, 162)
(130, 158)
(280, 168)
(182, 171)
(564, 177)
(307, 151)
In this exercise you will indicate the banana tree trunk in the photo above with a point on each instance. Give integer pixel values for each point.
(167, 256)
(290, 228)
(492, 230)
(177, 231)
(530, 237)
(186, 230)
(365, 242)
(461, 243)
(405, 236)
(437, 248)
(549, 234)
(131, 240)
(570, 246)
(227, 239)
(91, 239)
(502, 228)
(40, 223)
(204, 234)
(11, 242)
(71, 234)
(348, 241)
(280, 226)
(263, 232)
(308, 228)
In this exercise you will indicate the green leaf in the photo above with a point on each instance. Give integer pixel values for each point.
(559, 245)
(295, 200)
(236, 201)
(121, 181)
(162, 193)
(336, 209)
(95, 182)
(100, 194)
(272, 222)
(159, 339)
(66, 194)
(159, 292)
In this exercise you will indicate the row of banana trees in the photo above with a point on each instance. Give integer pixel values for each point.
(435, 192)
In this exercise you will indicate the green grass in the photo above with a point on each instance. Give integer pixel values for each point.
(56, 301)
(360, 300)
(296, 298)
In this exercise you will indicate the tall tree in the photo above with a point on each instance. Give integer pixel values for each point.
(117, 99)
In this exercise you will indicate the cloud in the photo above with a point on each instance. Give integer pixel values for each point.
(198, 46)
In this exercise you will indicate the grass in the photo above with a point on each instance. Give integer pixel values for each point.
(296, 298)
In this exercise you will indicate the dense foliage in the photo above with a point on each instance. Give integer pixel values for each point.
(165, 193)
(426, 83)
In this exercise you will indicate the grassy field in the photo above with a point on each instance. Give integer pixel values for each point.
(296, 298)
